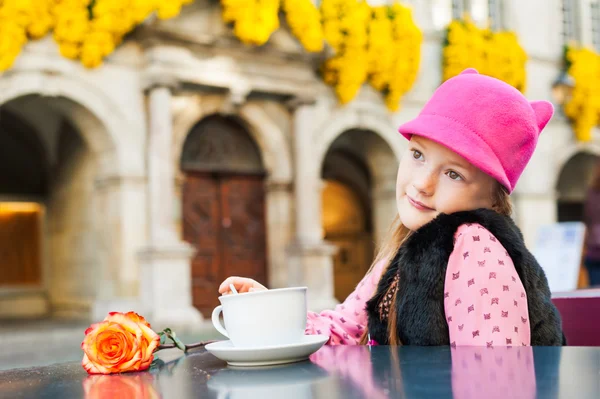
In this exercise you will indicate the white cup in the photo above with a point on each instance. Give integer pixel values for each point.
(263, 318)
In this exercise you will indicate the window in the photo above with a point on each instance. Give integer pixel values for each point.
(479, 10)
(570, 23)
(482, 12)
(442, 13)
(595, 22)
(581, 22)
(496, 14)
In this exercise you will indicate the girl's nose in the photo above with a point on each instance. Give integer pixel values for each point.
(424, 182)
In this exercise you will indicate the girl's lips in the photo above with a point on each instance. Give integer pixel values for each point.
(419, 205)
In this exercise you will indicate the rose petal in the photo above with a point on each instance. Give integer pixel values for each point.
(128, 325)
(153, 340)
(137, 318)
(130, 365)
(91, 340)
(92, 368)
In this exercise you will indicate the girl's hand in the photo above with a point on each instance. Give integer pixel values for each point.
(241, 284)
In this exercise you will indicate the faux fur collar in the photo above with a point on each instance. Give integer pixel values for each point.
(421, 264)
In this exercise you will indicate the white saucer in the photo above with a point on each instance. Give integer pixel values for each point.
(267, 355)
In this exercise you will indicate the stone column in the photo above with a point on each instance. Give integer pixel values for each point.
(532, 210)
(165, 263)
(279, 226)
(310, 258)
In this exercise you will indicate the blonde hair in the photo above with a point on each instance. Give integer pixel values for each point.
(395, 238)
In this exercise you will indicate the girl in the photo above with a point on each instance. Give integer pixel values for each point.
(454, 269)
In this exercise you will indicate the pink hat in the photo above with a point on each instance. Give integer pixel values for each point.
(484, 120)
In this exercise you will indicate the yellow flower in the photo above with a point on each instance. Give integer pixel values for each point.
(345, 24)
(168, 9)
(69, 50)
(91, 55)
(305, 22)
(253, 20)
(496, 54)
(583, 108)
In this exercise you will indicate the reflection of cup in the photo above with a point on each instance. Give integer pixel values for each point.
(263, 318)
(125, 386)
(294, 381)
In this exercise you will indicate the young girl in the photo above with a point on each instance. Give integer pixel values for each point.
(454, 269)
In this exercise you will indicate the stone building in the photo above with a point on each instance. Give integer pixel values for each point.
(189, 157)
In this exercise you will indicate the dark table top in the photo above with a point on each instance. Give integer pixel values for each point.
(335, 372)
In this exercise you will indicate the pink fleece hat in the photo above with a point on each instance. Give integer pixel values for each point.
(484, 120)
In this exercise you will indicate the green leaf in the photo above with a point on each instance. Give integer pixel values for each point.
(163, 339)
(167, 331)
(179, 344)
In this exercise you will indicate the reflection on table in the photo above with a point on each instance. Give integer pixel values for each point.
(335, 372)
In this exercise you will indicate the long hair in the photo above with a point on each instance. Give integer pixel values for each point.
(397, 235)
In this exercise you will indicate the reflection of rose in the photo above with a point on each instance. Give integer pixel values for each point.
(122, 342)
(138, 386)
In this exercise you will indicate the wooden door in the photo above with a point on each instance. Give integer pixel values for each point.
(20, 244)
(345, 225)
(224, 218)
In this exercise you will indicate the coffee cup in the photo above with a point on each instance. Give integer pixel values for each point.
(263, 318)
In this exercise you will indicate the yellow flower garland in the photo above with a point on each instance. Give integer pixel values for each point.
(253, 20)
(304, 20)
(345, 27)
(18, 20)
(496, 54)
(583, 108)
(380, 45)
(85, 30)
(406, 50)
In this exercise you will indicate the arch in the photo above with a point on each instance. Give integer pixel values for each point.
(100, 121)
(381, 153)
(23, 158)
(572, 185)
(565, 155)
(220, 143)
(270, 139)
(345, 120)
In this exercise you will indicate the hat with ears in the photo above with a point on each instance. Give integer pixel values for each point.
(484, 120)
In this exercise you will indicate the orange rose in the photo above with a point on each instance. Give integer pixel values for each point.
(122, 342)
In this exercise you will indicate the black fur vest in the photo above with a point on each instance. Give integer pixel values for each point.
(421, 264)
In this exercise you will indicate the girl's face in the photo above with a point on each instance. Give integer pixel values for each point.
(433, 179)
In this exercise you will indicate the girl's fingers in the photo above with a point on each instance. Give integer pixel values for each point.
(241, 284)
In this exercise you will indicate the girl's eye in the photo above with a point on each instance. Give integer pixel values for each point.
(453, 175)
(417, 154)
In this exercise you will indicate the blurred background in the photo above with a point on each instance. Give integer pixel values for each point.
(149, 149)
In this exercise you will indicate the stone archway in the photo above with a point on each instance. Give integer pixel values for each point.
(277, 161)
(358, 202)
(223, 211)
(572, 184)
(100, 187)
(52, 168)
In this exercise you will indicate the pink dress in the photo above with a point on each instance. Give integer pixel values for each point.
(484, 299)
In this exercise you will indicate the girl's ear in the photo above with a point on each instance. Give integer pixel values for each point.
(543, 112)
(470, 71)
